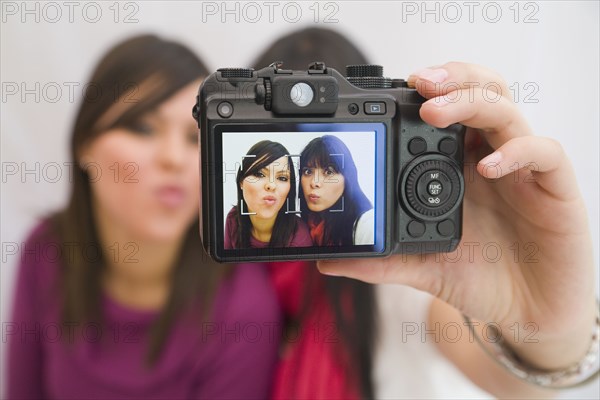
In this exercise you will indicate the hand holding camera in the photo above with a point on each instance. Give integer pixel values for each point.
(313, 165)
(525, 260)
(534, 218)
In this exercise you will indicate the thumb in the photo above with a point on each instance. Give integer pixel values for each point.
(424, 272)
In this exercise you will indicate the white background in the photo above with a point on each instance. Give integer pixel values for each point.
(548, 50)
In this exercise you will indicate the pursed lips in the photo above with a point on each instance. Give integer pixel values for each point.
(313, 197)
(171, 195)
(270, 200)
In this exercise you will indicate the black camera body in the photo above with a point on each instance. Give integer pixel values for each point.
(411, 172)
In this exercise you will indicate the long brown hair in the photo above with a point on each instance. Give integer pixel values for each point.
(265, 152)
(130, 80)
(358, 330)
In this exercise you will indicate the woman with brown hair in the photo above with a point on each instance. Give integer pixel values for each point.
(132, 307)
(346, 354)
(266, 186)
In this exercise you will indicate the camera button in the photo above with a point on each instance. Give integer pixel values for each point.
(417, 146)
(415, 229)
(446, 227)
(434, 188)
(353, 108)
(375, 108)
(448, 146)
(430, 187)
(225, 109)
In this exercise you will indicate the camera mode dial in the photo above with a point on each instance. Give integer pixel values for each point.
(432, 187)
(367, 76)
(236, 72)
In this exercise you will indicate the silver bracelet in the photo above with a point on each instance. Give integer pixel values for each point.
(586, 370)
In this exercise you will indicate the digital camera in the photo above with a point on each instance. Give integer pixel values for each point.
(310, 164)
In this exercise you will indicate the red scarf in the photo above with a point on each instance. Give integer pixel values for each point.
(313, 362)
(316, 225)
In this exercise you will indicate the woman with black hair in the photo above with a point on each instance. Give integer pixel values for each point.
(266, 198)
(333, 319)
(336, 209)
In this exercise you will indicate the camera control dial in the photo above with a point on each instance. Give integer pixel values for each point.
(367, 76)
(432, 187)
(229, 73)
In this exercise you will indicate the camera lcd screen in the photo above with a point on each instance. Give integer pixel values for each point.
(300, 189)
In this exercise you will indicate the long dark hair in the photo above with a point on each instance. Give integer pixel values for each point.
(264, 153)
(300, 48)
(297, 50)
(145, 71)
(339, 226)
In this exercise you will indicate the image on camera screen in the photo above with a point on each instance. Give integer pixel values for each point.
(312, 187)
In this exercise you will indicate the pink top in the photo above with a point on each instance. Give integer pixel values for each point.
(230, 356)
(301, 237)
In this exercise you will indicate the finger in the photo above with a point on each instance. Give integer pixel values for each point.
(361, 269)
(425, 272)
(438, 81)
(543, 157)
(420, 271)
(496, 116)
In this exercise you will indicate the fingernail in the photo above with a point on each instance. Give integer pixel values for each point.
(437, 75)
(493, 158)
(330, 273)
(324, 263)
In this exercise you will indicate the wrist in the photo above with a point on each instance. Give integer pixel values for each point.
(585, 369)
(554, 350)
